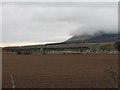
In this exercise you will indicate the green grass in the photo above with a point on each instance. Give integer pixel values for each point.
(95, 46)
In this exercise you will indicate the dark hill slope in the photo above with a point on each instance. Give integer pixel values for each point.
(92, 39)
(103, 38)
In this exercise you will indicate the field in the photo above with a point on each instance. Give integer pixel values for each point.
(60, 71)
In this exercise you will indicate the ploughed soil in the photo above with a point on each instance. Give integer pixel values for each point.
(59, 71)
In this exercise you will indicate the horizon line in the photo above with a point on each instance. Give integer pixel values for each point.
(20, 44)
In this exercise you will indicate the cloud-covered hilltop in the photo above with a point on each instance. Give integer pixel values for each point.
(56, 22)
(95, 38)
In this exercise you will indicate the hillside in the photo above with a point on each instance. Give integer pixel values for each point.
(92, 38)
(78, 38)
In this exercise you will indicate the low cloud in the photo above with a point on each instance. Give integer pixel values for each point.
(56, 22)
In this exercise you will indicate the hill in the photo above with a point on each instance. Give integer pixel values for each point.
(92, 38)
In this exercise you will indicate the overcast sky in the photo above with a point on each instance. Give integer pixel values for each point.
(31, 23)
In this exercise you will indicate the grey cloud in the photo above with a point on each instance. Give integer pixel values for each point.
(55, 22)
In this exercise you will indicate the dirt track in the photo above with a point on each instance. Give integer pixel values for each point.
(58, 71)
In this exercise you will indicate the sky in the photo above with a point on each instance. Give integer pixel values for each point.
(26, 23)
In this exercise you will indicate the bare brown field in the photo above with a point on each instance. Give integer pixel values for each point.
(59, 71)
